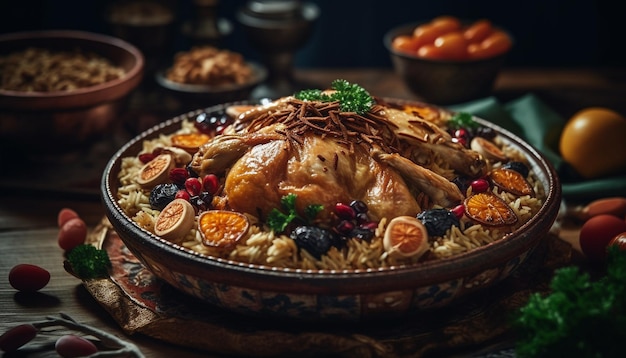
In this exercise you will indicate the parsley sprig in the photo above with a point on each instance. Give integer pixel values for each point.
(278, 220)
(351, 97)
(462, 120)
(580, 317)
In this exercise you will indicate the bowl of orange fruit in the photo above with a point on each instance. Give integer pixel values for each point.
(447, 60)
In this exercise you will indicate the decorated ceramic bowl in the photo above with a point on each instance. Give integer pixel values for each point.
(330, 294)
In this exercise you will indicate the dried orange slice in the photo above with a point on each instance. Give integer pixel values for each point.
(156, 171)
(175, 220)
(190, 141)
(511, 181)
(406, 236)
(487, 208)
(222, 228)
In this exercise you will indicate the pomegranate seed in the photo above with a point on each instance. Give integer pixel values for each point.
(178, 175)
(479, 185)
(193, 186)
(211, 183)
(344, 211)
(345, 226)
(458, 211)
(359, 206)
(370, 225)
(146, 157)
(461, 133)
(182, 194)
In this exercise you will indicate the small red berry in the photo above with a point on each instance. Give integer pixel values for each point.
(344, 211)
(193, 186)
(146, 157)
(183, 194)
(479, 185)
(178, 175)
(211, 183)
(345, 226)
(458, 211)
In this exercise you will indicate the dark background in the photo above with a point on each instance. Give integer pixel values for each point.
(349, 33)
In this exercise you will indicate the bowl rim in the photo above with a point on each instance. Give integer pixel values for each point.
(339, 281)
(259, 74)
(407, 28)
(53, 99)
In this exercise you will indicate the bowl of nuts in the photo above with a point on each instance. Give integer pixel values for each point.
(206, 75)
(61, 89)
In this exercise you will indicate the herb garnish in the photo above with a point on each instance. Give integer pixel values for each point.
(278, 221)
(88, 262)
(352, 97)
(462, 120)
(580, 317)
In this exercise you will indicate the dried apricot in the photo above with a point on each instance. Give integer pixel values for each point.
(406, 236)
(222, 228)
(175, 220)
(487, 208)
(190, 141)
(511, 181)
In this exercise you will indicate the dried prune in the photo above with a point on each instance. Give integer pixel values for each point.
(315, 240)
(518, 167)
(438, 221)
(163, 194)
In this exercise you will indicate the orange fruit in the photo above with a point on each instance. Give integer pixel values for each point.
(222, 228)
(487, 208)
(511, 181)
(175, 220)
(406, 236)
(190, 142)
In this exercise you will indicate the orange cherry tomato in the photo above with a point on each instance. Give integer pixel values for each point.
(495, 44)
(478, 31)
(446, 23)
(453, 45)
(406, 43)
(427, 33)
(431, 52)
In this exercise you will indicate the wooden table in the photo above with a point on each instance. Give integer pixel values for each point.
(28, 209)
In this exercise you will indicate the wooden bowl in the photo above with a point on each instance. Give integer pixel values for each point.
(330, 294)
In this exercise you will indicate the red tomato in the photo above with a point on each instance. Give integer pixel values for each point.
(430, 52)
(28, 278)
(446, 23)
(72, 234)
(406, 43)
(478, 31)
(453, 45)
(64, 215)
(597, 232)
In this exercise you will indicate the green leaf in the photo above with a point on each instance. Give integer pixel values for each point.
(351, 97)
(89, 262)
(462, 120)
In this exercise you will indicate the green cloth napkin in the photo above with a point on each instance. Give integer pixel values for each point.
(540, 126)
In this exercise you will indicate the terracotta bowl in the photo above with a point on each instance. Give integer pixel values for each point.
(443, 82)
(59, 120)
(330, 294)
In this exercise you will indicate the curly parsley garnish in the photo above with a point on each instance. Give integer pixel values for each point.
(581, 317)
(352, 97)
(89, 262)
(278, 220)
